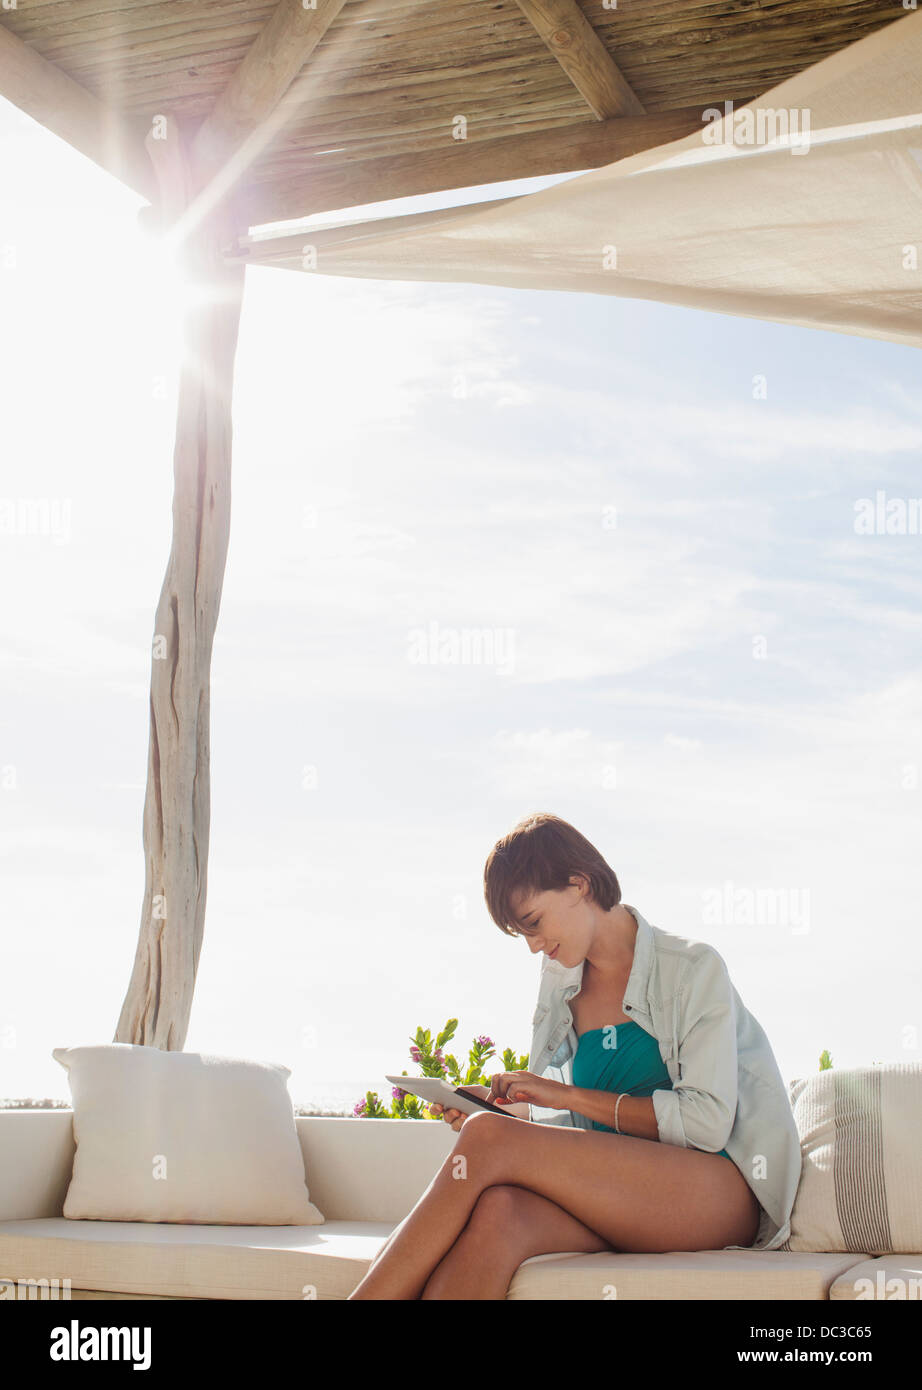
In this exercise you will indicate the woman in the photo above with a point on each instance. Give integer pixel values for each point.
(673, 1129)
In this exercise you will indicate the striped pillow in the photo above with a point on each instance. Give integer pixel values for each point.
(861, 1143)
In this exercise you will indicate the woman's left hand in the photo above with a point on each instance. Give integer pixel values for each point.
(510, 1086)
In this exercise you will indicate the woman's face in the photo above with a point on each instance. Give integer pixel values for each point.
(557, 922)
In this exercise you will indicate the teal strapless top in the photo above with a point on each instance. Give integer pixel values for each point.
(631, 1063)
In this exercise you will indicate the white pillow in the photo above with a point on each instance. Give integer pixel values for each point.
(179, 1136)
(861, 1144)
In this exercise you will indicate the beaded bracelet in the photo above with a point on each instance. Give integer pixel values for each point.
(617, 1103)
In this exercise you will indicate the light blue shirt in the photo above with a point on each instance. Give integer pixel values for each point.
(727, 1091)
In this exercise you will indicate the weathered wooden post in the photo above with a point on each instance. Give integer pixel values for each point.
(201, 191)
(177, 804)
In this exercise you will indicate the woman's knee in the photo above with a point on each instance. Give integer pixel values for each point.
(481, 1128)
(503, 1226)
(498, 1208)
(515, 1223)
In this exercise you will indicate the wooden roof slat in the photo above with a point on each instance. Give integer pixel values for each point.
(99, 47)
(686, 42)
(61, 105)
(419, 123)
(583, 57)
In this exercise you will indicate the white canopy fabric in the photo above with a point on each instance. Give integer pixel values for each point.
(803, 207)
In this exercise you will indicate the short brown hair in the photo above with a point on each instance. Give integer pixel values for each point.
(538, 854)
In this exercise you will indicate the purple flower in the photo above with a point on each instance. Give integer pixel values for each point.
(484, 1041)
(397, 1093)
(359, 1107)
(414, 1053)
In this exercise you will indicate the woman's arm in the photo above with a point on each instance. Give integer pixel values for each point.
(636, 1114)
(700, 1109)
(698, 1112)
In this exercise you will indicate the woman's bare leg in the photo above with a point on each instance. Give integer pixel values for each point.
(508, 1225)
(637, 1194)
(425, 1234)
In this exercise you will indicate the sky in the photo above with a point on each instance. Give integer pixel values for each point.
(671, 633)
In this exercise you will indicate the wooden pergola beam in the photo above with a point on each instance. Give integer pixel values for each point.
(583, 57)
(323, 184)
(61, 105)
(251, 109)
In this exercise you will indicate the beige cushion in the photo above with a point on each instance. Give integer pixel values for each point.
(683, 1274)
(887, 1277)
(861, 1178)
(289, 1262)
(327, 1262)
(179, 1136)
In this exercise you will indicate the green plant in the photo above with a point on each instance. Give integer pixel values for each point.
(825, 1060)
(432, 1061)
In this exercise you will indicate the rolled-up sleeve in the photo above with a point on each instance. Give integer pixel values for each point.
(700, 1109)
(562, 1119)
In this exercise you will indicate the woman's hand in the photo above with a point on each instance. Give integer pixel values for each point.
(456, 1118)
(509, 1087)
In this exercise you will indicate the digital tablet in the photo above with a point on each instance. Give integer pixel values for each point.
(439, 1092)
